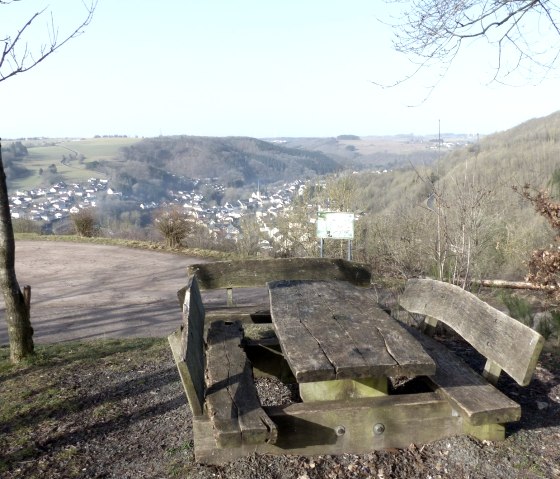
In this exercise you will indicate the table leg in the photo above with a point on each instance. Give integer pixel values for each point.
(343, 389)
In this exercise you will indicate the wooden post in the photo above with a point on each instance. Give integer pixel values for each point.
(27, 297)
(230, 297)
(492, 372)
(343, 389)
(430, 325)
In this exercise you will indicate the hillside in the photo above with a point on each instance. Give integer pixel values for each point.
(233, 161)
(380, 152)
(42, 162)
(459, 215)
(447, 210)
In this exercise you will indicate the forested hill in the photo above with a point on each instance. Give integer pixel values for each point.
(234, 161)
(527, 153)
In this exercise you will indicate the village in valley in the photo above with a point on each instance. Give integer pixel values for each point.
(57, 203)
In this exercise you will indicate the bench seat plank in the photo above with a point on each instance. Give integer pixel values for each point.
(475, 398)
(231, 396)
(334, 330)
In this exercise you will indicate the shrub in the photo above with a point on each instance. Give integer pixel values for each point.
(518, 308)
(23, 225)
(174, 225)
(86, 223)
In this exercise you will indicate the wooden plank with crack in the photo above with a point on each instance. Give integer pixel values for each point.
(231, 397)
(334, 330)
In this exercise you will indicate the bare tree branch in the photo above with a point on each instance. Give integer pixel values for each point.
(433, 31)
(17, 56)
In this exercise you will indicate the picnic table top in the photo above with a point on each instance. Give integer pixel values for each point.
(334, 330)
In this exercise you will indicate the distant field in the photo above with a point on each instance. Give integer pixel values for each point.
(402, 144)
(95, 149)
(371, 145)
(99, 148)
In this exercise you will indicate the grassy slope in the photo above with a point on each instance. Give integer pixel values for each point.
(95, 149)
(47, 400)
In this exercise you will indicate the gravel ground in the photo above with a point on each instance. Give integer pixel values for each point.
(86, 291)
(125, 415)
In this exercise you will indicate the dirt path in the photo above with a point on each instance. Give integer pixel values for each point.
(82, 291)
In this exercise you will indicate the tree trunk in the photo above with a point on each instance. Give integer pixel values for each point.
(17, 308)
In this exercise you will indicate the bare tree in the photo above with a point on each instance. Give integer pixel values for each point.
(18, 56)
(174, 225)
(432, 32)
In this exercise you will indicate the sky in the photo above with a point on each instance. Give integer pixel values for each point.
(248, 68)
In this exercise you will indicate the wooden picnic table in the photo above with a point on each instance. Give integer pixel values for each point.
(332, 330)
(342, 348)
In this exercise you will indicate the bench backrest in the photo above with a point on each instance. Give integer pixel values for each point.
(257, 272)
(507, 344)
(189, 347)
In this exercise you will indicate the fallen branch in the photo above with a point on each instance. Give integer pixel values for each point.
(499, 283)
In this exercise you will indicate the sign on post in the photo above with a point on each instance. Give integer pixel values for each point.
(333, 225)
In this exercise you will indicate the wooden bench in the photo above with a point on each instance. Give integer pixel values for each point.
(507, 344)
(217, 376)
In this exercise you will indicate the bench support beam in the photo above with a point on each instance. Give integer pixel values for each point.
(338, 427)
(229, 297)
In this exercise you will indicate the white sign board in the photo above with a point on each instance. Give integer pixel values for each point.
(335, 225)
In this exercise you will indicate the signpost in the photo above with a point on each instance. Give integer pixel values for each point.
(335, 225)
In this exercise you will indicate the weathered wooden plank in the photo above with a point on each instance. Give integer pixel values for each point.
(194, 402)
(232, 400)
(187, 345)
(363, 312)
(245, 314)
(507, 342)
(380, 336)
(302, 351)
(305, 343)
(334, 330)
(338, 427)
(473, 397)
(256, 272)
(305, 356)
(219, 379)
(331, 317)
